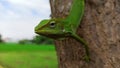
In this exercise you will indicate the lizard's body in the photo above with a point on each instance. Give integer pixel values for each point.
(61, 28)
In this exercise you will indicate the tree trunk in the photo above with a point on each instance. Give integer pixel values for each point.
(100, 27)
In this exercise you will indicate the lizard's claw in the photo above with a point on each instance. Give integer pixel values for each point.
(86, 58)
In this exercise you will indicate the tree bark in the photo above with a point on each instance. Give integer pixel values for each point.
(100, 27)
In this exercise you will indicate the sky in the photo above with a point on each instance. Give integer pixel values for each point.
(19, 17)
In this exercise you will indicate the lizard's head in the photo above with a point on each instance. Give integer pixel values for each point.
(53, 28)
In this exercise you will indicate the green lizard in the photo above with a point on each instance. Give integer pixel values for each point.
(58, 28)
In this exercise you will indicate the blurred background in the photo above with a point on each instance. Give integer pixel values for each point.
(19, 17)
(20, 47)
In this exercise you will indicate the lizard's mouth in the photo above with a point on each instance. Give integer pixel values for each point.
(54, 36)
(50, 35)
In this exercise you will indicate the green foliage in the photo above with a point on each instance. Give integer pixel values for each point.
(1, 38)
(42, 40)
(37, 40)
(25, 41)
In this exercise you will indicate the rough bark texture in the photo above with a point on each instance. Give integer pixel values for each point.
(100, 27)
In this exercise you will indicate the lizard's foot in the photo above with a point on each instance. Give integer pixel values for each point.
(86, 58)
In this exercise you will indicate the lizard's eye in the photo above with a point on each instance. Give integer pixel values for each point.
(52, 24)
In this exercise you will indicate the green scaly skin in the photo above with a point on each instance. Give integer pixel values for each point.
(61, 28)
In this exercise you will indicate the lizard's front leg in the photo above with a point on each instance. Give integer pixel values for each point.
(82, 41)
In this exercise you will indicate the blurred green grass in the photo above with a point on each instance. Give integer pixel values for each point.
(27, 56)
(25, 47)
